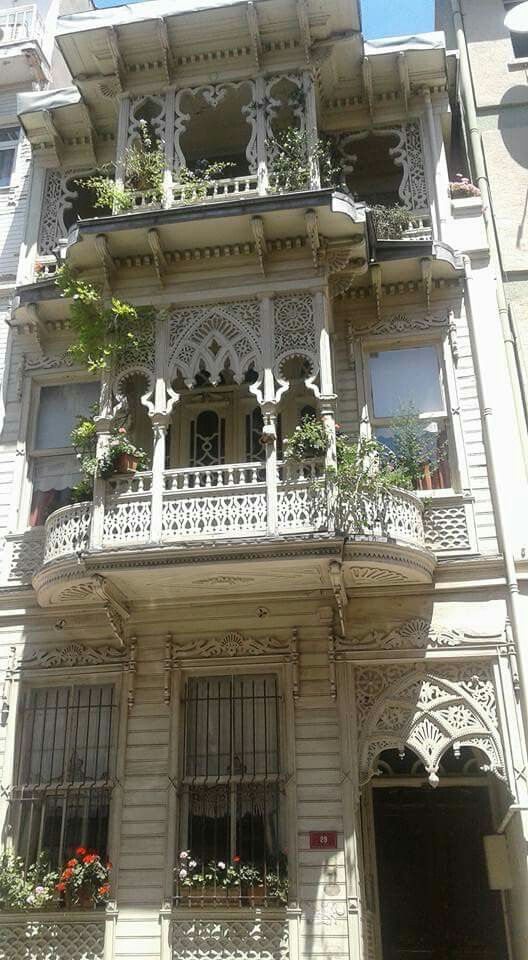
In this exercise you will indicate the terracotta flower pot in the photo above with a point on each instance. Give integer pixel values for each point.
(126, 463)
(256, 895)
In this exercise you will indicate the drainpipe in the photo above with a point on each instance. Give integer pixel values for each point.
(468, 99)
(501, 522)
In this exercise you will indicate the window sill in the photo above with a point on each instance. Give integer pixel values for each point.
(445, 493)
(518, 63)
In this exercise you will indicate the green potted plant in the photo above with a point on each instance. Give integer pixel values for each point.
(293, 158)
(308, 441)
(390, 222)
(144, 165)
(31, 888)
(196, 184)
(84, 880)
(125, 456)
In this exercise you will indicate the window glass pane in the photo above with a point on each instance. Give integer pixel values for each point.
(9, 134)
(403, 377)
(59, 406)
(6, 166)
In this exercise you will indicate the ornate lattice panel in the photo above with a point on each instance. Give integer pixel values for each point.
(229, 515)
(229, 939)
(25, 554)
(427, 711)
(214, 335)
(127, 522)
(46, 939)
(295, 334)
(413, 188)
(298, 511)
(446, 529)
(67, 531)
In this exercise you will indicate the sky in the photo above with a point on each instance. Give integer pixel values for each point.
(381, 18)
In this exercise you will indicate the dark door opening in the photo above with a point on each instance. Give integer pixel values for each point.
(435, 903)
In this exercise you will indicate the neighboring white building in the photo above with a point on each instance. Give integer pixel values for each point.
(196, 658)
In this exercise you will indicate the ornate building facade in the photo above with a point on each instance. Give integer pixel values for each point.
(295, 729)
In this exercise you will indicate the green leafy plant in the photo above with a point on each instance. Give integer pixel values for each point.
(144, 165)
(196, 184)
(85, 879)
(84, 442)
(26, 889)
(277, 887)
(107, 331)
(293, 155)
(390, 222)
(223, 876)
(308, 441)
(412, 447)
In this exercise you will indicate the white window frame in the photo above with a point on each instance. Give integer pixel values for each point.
(14, 146)
(364, 345)
(26, 449)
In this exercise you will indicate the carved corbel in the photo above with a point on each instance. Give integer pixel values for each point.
(452, 335)
(254, 32)
(166, 55)
(56, 138)
(115, 607)
(107, 263)
(377, 288)
(337, 581)
(36, 321)
(92, 133)
(368, 87)
(312, 232)
(403, 73)
(131, 669)
(167, 669)
(6, 688)
(426, 266)
(303, 20)
(257, 229)
(117, 60)
(160, 262)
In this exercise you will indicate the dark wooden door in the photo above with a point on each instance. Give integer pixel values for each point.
(435, 903)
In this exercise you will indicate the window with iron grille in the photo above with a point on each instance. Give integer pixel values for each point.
(65, 770)
(231, 800)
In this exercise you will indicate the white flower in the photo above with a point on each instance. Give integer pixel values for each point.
(184, 855)
(183, 874)
(221, 865)
(192, 864)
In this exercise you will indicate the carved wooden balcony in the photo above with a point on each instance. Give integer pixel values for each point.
(221, 512)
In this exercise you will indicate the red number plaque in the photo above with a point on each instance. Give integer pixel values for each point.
(323, 840)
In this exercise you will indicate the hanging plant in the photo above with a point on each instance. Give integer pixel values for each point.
(390, 222)
(108, 332)
(291, 167)
(121, 456)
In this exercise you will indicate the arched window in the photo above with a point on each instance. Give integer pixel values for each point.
(207, 439)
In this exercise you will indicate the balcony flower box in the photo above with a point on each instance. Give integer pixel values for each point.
(126, 463)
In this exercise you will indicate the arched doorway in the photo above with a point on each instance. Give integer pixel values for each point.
(429, 871)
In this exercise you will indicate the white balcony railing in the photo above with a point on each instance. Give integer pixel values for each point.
(20, 23)
(230, 188)
(75, 935)
(420, 227)
(224, 502)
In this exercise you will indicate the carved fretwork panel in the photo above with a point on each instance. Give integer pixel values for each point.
(295, 335)
(207, 99)
(213, 336)
(220, 939)
(150, 110)
(407, 153)
(427, 711)
(58, 197)
(42, 938)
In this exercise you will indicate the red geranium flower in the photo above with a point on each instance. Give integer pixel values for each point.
(72, 863)
(236, 859)
(108, 865)
(104, 889)
(80, 851)
(66, 874)
(61, 887)
(90, 857)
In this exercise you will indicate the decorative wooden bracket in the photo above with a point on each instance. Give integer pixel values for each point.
(257, 229)
(160, 263)
(337, 581)
(254, 32)
(312, 232)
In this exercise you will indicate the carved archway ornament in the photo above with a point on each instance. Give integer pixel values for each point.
(428, 711)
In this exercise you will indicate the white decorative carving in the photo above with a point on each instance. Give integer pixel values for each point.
(223, 580)
(73, 655)
(272, 105)
(42, 937)
(427, 711)
(156, 122)
(417, 634)
(232, 644)
(257, 939)
(446, 528)
(401, 323)
(213, 94)
(214, 335)
(60, 194)
(295, 335)
(27, 553)
(67, 531)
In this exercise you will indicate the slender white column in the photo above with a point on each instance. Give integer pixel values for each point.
(122, 137)
(262, 165)
(169, 148)
(270, 437)
(435, 159)
(311, 128)
(160, 423)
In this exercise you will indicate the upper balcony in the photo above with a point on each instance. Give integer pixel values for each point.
(21, 40)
